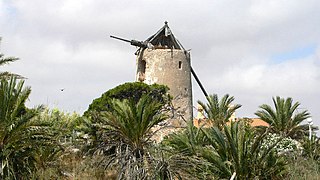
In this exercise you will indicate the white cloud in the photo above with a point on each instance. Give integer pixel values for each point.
(65, 43)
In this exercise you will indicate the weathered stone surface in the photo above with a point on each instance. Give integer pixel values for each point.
(170, 67)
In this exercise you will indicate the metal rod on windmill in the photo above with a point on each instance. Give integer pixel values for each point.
(198, 81)
(132, 42)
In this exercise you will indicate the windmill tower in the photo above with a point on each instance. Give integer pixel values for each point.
(163, 60)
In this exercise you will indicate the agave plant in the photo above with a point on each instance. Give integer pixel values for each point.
(285, 118)
(219, 112)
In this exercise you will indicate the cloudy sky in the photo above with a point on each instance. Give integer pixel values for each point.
(251, 49)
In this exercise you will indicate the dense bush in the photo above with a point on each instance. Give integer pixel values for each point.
(132, 91)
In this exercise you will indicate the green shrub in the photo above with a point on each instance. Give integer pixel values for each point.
(311, 148)
(286, 145)
(133, 91)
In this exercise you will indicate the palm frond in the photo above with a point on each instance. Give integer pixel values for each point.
(237, 149)
(284, 118)
(20, 136)
(219, 112)
(127, 128)
(7, 60)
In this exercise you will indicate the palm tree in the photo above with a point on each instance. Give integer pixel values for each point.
(20, 136)
(218, 154)
(219, 112)
(186, 142)
(128, 129)
(7, 60)
(236, 150)
(182, 153)
(169, 163)
(284, 119)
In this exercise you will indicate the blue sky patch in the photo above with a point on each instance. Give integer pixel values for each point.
(297, 53)
(10, 9)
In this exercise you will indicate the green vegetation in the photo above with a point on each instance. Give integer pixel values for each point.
(127, 129)
(284, 120)
(233, 150)
(219, 112)
(132, 91)
(20, 134)
(243, 150)
(7, 60)
(115, 139)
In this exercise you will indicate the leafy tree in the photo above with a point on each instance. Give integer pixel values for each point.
(129, 91)
(20, 135)
(133, 91)
(284, 119)
(219, 112)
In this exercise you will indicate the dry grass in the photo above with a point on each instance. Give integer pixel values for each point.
(303, 169)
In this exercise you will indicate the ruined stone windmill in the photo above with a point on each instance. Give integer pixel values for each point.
(162, 59)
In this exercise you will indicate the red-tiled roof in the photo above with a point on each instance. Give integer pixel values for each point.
(206, 123)
(258, 122)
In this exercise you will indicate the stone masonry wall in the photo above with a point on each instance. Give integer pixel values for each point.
(170, 67)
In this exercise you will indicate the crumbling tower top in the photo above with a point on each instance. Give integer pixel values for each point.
(166, 62)
(164, 39)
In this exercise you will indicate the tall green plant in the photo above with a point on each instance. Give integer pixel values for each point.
(128, 128)
(284, 119)
(20, 136)
(65, 142)
(311, 148)
(237, 150)
(182, 150)
(186, 142)
(219, 111)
